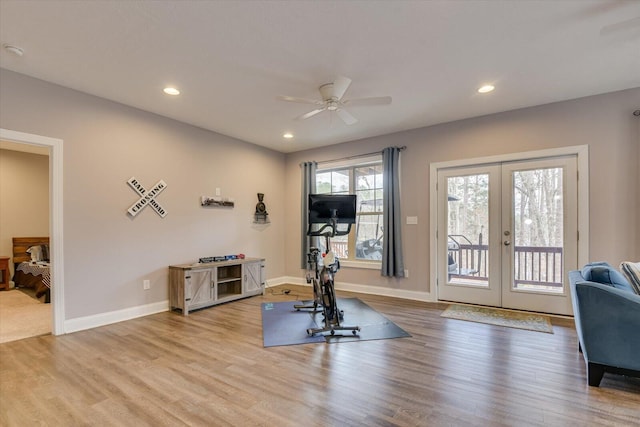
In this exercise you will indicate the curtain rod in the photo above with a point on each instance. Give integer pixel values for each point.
(357, 156)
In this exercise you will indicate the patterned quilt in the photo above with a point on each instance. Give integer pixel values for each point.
(36, 276)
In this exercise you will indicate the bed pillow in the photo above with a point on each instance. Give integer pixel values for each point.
(35, 252)
(632, 271)
(45, 253)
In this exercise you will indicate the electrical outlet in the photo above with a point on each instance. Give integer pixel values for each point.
(217, 191)
(146, 285)
(406, 273)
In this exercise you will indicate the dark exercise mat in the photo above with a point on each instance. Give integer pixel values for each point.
(284, 325)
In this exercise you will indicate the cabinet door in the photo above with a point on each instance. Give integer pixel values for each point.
(199, 288)
(253, 280)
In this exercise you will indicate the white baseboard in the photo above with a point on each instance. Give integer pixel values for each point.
(88, 322)
(102, 319)
(362, 289)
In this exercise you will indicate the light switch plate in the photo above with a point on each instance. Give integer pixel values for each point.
(412, 220)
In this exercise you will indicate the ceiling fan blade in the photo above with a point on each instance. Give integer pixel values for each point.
(346, 116)
(620, 26)
(340, 86)
(376, 100)
(299, 100)
(310, 114)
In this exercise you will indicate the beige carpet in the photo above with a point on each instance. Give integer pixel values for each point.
(22, 316)
(500, 317)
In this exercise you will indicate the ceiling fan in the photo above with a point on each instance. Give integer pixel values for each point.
(332, 100)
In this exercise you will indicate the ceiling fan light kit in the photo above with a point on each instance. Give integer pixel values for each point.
(332, 100)
(626, 25)
(14, 50)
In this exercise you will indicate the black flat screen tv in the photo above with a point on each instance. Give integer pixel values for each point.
(323, 207)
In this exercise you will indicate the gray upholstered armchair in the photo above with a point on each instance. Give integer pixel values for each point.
(607, 317)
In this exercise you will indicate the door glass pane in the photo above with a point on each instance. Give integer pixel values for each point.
(468, 229)
(538, 229)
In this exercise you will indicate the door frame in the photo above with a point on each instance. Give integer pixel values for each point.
(582, 160)
(55, 218)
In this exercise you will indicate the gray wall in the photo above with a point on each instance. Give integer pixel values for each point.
(107, 253)
(605, 123)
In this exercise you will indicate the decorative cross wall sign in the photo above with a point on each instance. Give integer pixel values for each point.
(146, 197)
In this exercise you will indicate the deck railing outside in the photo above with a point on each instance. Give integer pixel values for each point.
(533, 265)
(340, 249)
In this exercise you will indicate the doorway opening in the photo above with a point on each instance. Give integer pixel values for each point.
(55, 217)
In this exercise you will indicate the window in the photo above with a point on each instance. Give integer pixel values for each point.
(364, 179)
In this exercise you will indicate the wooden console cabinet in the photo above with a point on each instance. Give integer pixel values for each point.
(194, 286)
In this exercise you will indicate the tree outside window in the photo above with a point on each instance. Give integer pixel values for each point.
(364, 243)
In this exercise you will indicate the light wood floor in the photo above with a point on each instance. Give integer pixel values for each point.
(210, 369)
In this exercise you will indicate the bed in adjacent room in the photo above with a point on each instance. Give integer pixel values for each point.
(31, 265)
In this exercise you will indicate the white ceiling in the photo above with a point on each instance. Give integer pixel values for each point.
(231, 59)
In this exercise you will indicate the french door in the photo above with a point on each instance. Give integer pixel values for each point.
(507, 234)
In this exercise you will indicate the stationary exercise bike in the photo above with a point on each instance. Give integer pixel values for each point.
(324, 211)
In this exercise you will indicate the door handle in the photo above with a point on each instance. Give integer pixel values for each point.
(507, 242)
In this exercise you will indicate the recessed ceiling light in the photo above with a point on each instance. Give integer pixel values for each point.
(287, 135)
(486, 88)
(171, 91)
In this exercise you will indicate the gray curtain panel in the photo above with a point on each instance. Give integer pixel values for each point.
(308, 187)
(392, 259)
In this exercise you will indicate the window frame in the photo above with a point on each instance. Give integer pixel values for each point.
(351, 165)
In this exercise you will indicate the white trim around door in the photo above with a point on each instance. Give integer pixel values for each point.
(485, 164)
(55, 217)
